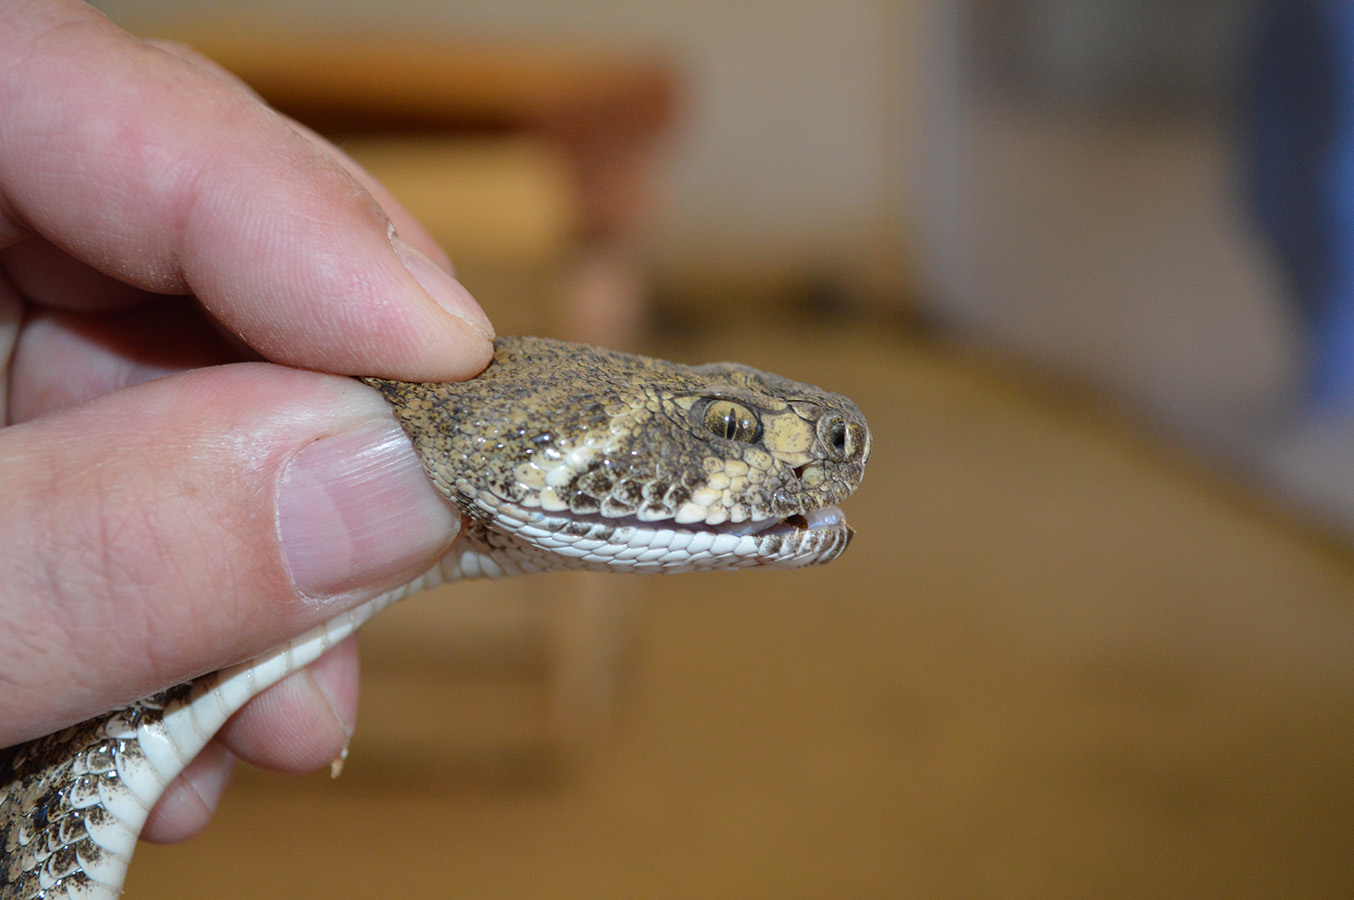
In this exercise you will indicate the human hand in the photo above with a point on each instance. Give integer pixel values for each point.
(162, 515)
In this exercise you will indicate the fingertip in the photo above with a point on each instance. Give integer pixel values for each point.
(188, 803)
(272, 232)
(442, 288)
(335, 676)
(466, 332)
(302, 723)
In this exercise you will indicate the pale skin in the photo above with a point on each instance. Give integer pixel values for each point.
(163, 514)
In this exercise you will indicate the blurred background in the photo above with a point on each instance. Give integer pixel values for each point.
(1095, 636)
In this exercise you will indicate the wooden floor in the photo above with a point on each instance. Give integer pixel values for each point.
(1058, 661)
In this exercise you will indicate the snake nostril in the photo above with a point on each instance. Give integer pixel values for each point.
(836, 433)
(844, 440)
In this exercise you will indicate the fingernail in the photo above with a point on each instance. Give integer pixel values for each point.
(445, 290)
(355, 510)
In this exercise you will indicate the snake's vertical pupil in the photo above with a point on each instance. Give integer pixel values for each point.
(732, 421)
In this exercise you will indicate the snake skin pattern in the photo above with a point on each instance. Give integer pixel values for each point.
(558, 456)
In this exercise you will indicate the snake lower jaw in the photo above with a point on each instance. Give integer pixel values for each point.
(537, 540)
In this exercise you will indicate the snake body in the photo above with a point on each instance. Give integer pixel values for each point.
(558, 456)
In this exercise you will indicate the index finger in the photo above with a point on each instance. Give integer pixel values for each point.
(155, 172)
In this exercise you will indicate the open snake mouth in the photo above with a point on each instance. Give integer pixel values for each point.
(627, 543)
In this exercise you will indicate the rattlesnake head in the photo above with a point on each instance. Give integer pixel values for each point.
(562, 455)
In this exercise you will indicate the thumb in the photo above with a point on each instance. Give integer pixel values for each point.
(171, 528)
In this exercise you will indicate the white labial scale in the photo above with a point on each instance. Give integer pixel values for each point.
(588, 545)
(662, 538)
(706, 497)
(611, 551)
(700, 544)
(678, 557)
(689, 514)
(603, 550)
(681, 540)
(724, 544)
(645, 538)
(573, 551)
(594, 559)
(555, 542)
(534, 532)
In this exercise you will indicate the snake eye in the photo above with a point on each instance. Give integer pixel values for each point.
(732, 421)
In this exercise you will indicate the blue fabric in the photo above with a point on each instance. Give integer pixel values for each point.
(1299, 129)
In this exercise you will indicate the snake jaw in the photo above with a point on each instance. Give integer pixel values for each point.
(509, 540)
